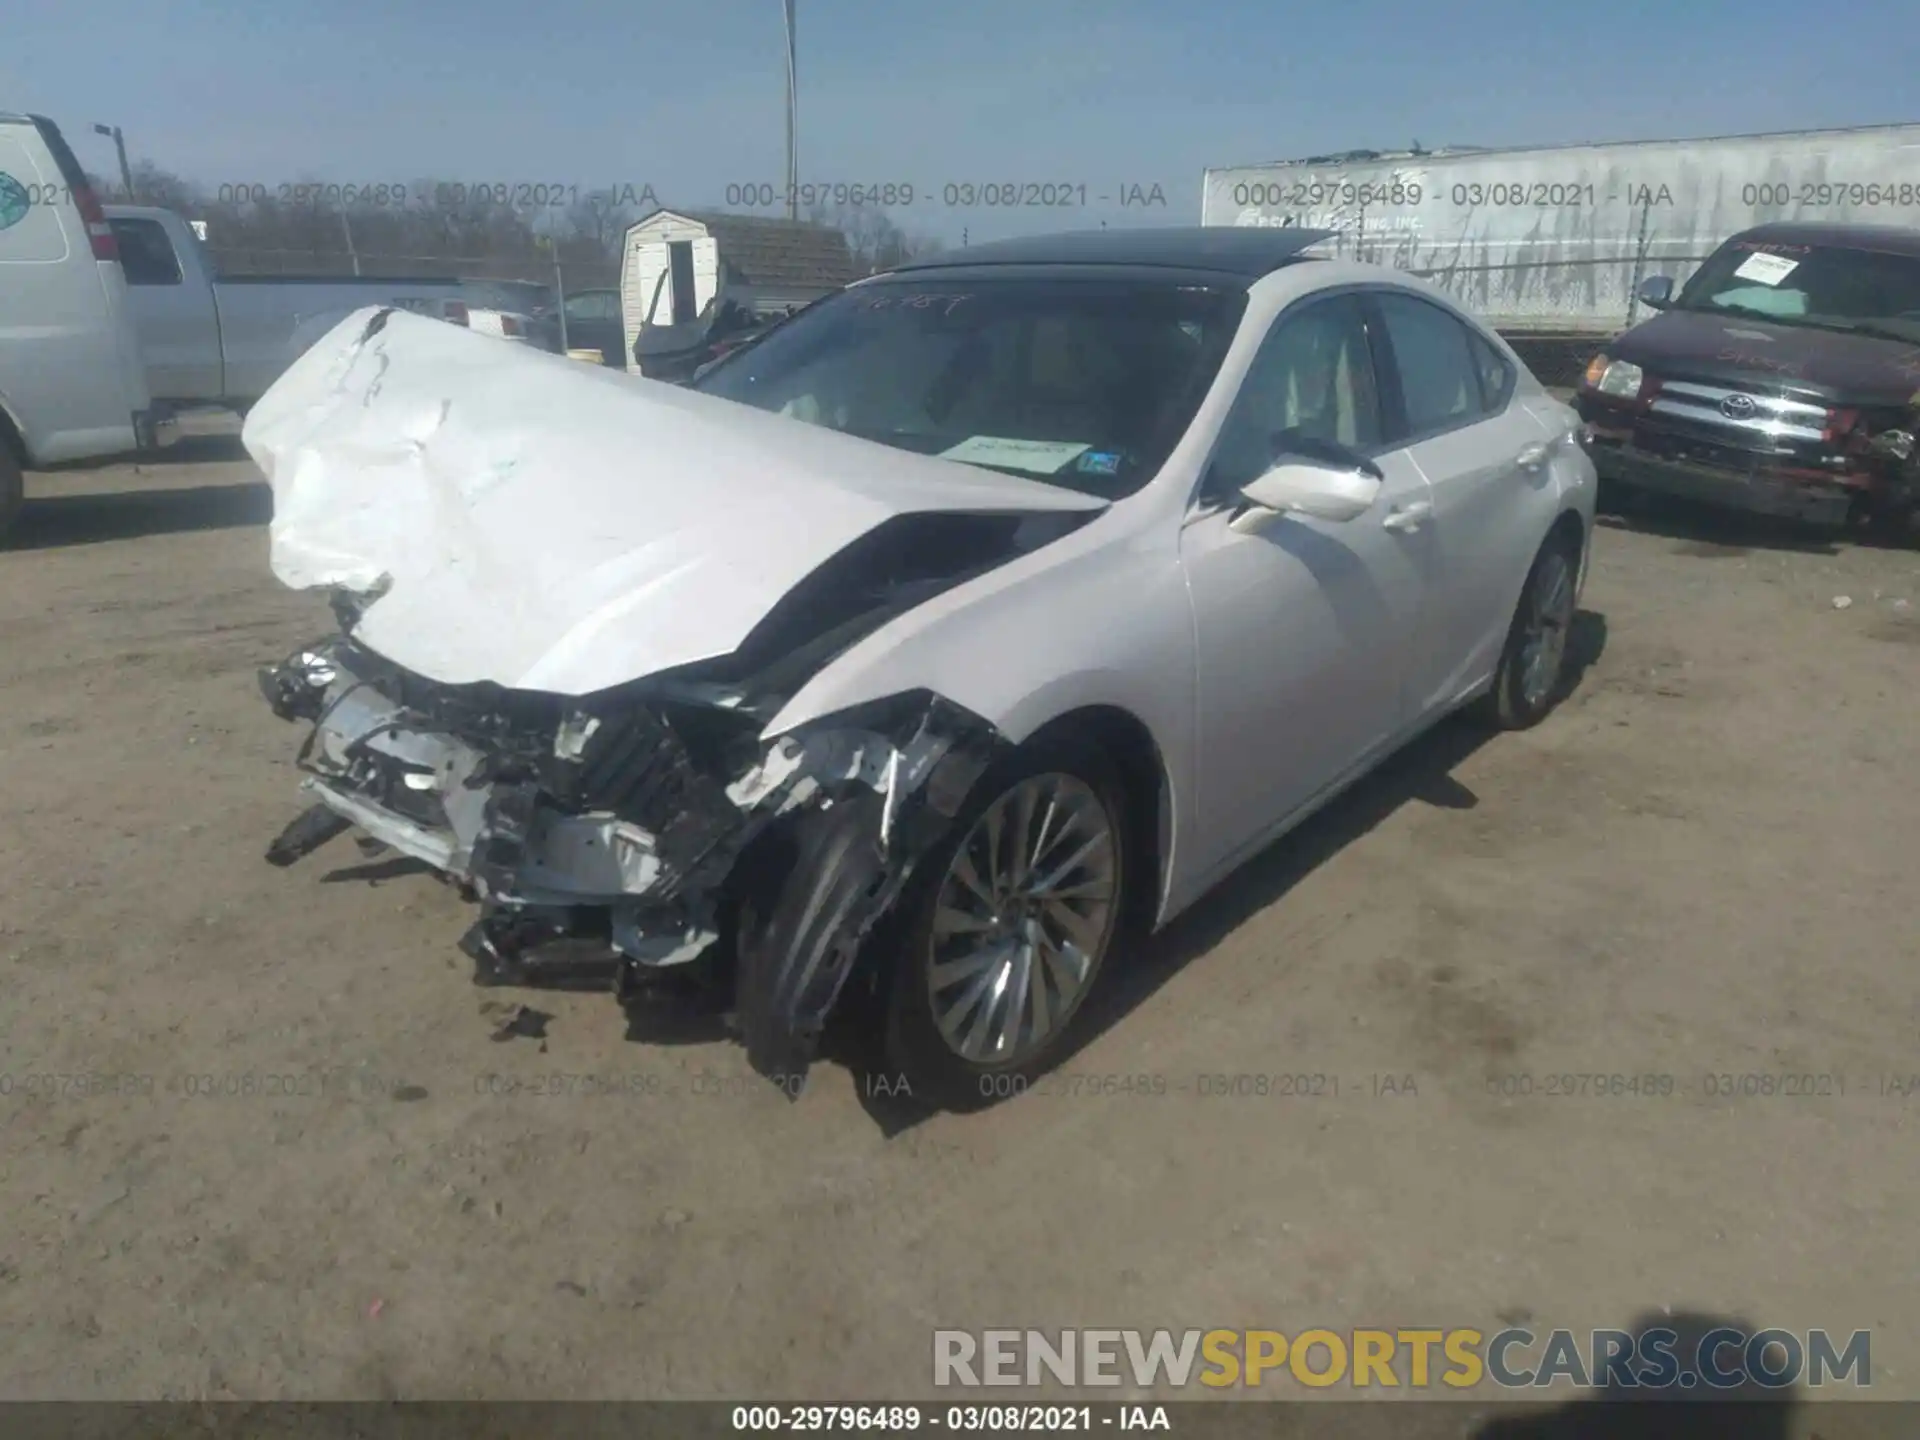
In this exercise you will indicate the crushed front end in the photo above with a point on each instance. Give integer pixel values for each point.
(1752, 444)
(620, 821)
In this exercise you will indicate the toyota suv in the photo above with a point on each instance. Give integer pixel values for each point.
(1783, 379)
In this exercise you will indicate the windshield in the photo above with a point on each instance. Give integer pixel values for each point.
(1823, 285)
(1083, 383)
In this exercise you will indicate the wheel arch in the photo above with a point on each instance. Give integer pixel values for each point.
(1571, 528)
(1125, 739)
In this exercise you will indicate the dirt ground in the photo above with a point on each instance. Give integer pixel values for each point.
(290, 1174)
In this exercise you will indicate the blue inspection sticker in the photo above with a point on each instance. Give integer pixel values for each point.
(1099, 462)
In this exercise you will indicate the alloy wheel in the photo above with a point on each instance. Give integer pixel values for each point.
(1021, 919)
(1543, 644)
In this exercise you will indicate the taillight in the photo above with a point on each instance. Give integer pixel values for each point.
(456, 312)
(99, 232)
(510, 325)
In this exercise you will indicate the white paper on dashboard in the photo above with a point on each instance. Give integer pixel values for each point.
(1039, 457)
(1765, 268)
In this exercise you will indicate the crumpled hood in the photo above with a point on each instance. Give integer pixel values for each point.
(550, 525)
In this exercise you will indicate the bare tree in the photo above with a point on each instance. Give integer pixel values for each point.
(427, 226)
(877, 242)
(153, 185)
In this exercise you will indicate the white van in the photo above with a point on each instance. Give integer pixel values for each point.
(71, 381)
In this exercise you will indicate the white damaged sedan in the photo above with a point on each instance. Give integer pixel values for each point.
(983, 614)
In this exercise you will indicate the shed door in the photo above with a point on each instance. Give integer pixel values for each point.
(706, 272)
(680, 264)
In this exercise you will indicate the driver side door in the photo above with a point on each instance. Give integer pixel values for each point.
(1303, 629)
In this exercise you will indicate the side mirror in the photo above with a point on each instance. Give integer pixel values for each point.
(1309, 488)
(1656, 292)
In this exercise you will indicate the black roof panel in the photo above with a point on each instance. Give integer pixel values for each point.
(1246, 251)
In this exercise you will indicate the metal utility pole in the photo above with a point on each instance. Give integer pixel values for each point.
(793, 153)
(120, 147)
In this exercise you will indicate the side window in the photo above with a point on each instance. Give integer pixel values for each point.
(1440, 380)
(1313, 376)
(1496, 374)
(145, 252)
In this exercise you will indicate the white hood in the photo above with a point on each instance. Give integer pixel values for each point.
(550, 525)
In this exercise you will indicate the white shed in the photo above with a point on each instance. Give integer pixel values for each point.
(675, 264)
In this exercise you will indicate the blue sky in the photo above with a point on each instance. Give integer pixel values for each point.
(689, 97)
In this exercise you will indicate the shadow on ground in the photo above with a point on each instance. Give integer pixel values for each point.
(687, 1005)
(1710, 533)
(1420, 773)
(1682, 1411)
(50, 521)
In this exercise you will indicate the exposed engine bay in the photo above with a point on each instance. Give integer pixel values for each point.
(633, 824)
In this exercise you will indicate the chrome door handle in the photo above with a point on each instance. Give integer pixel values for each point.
(1531, 458)
(1408, 517)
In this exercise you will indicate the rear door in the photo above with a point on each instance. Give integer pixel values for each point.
(174, 313)
(1452, 401)
(69, 361)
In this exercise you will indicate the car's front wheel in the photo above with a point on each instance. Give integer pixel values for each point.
(1007, 926)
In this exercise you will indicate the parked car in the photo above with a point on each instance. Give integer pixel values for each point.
(527, 310)
(1781, 380)
(520, 328)
(593, 323)
(212, 340)
(71, 384)
(983, 614)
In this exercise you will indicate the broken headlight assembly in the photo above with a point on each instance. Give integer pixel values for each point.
(1895, 444)
(1618, 379)
(296, 688)
(623, 821)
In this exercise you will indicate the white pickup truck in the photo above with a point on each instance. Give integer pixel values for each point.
(221, 341)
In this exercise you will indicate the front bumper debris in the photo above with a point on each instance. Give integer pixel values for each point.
(615, 827)
(1755, 491)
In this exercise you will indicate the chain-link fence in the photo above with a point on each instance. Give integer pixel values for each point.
(569, 276)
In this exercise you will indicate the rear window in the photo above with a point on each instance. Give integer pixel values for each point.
(1441, 382)
(1496, 373)
(35, 201)
(146, 254)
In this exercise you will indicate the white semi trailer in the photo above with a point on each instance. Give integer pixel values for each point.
(1552, 243)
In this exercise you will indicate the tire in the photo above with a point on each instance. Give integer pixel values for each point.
(1522, 697)
(13, 490)
(953, 1074)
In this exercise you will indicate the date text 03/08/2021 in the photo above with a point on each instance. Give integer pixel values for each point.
(966, 1419)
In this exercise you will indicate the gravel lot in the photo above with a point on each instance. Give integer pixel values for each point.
(1700, 867)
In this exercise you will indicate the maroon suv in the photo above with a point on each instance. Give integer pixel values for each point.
(1783, 379)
